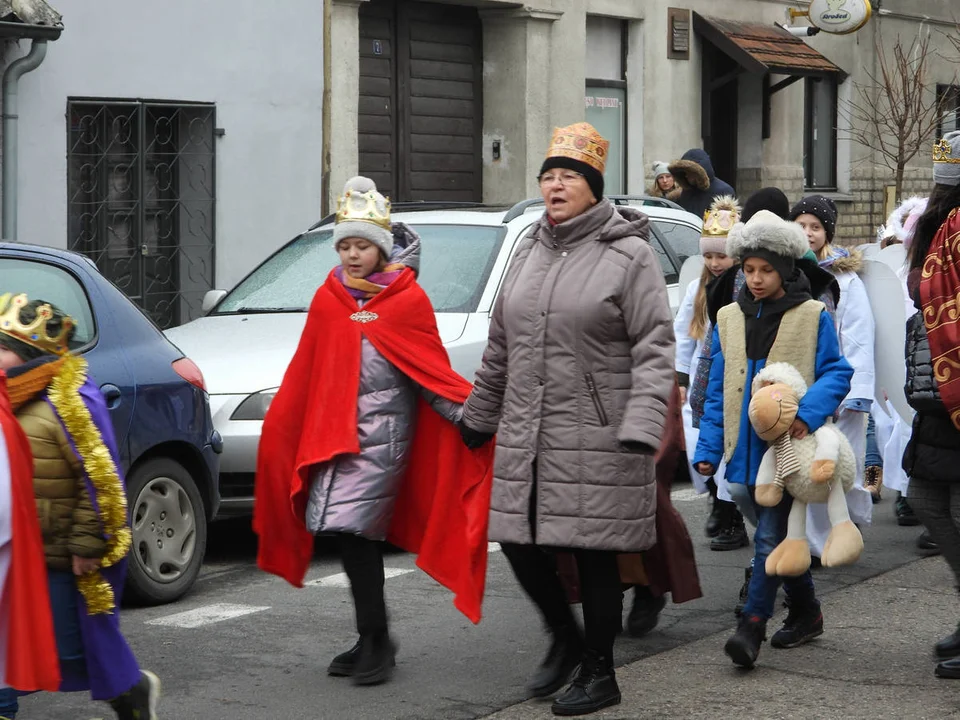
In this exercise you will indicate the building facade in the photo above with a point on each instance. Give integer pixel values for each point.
(179, 147)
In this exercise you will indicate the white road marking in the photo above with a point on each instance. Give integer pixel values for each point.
(686, 495)
(340, 580)
(493, 547)
(206, 615)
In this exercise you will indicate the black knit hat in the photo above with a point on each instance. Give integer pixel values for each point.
(20, 349)
(768, 198)
(781, 263)
(823, 208)
(593, 176)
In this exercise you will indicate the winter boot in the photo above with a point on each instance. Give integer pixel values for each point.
(927, 544)
(342, 665)
(715, 519)
(904, 513)
(743, 647)
(566, 650)
(949, 647)
(744, 591)
(873, 481)
(733, 534)
(804, 622)
(594, 688)
(645, 613)
(949, 669)
(140, 701)
(376, 659)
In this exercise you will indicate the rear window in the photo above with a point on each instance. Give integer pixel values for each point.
(455, 264)
(42, 281)
(684, 239)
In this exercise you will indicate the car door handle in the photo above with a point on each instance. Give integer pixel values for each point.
(112, 394)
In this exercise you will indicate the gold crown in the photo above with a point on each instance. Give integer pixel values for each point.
(723, 214)
(35, 333)
(580, 142)
(369, 207)
(942, 152)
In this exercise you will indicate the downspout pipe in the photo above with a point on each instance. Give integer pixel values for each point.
(11, 78)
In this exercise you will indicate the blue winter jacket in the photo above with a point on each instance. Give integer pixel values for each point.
(832, 384)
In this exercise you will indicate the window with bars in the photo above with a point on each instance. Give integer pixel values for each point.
(141, 199)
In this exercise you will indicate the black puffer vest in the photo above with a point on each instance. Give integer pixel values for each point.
(933, 452)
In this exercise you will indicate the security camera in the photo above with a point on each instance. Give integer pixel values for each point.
(800, 31)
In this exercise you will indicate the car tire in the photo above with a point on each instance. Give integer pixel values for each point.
(169, 527)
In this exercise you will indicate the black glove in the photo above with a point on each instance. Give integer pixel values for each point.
(473, 439)
(637, 448)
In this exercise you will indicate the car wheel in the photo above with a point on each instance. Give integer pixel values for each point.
(169, 526)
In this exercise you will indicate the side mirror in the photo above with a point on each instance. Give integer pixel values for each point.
(211, 298)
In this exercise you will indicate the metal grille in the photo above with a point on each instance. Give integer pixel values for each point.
(141, 200)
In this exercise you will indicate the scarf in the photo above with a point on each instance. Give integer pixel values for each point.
(763, 316)
(836, 253)
(787, 461)
(31, 378)
(373, 284)
(940, 305)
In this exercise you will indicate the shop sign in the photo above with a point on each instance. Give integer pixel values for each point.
(840, 17)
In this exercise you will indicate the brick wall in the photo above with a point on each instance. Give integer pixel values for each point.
(860, 218)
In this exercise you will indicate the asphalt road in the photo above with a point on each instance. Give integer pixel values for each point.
(245, 646)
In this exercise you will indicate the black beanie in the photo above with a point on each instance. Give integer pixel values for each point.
(823, 208)
(781, 263)
(19, 348)
(768, 198)
(593, 176)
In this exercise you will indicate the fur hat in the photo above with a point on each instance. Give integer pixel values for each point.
(660, 168)
(362, 212)
(766, 231)
(822, 208)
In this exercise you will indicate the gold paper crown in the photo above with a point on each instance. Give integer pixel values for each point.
(369, 207)
(723, 214)
(580, 142)
(943, 151)
(35, 333)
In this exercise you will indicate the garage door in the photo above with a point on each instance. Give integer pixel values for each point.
(421, 109)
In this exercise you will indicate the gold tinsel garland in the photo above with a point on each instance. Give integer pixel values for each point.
(111, 500)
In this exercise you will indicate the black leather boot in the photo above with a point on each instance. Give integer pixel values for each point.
(744, 591)
(645, 613)
(733, 534)
(342, 665)
(949, 647)
(566, 649)
(594, 688)
(715, 519)
(949, 669)
(376, 659)
(743, 647)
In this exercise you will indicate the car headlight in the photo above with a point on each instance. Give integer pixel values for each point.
(254, 407)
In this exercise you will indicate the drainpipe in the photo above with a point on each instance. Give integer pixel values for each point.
(325, 122)
(11, 77)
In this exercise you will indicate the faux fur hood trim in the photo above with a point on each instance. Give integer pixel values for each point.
(766, 231)
(674, 194)
(842, 264)
(781, 372)
(690, 174)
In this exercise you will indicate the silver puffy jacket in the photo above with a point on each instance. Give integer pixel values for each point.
(356, 493)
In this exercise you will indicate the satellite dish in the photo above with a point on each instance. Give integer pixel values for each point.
(839, 17)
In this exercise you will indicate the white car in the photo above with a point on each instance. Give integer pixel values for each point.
(244, 344)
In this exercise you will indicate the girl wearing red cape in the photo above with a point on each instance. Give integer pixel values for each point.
(361, 440)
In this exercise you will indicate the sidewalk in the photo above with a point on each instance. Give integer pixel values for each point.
(874, 660)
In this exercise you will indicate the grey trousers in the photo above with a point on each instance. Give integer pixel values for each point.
(937, 505)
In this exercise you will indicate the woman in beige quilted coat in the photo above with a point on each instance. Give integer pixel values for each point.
(575, 382)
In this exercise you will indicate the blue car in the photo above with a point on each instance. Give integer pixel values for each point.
(159, 407)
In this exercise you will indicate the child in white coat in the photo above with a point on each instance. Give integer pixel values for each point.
(693, 331)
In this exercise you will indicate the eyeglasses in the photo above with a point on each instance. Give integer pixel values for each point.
(565, 178)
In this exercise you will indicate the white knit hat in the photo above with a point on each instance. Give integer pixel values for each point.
(362, 212)
(660, 168)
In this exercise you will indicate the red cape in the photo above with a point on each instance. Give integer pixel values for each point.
(442, 510)
(31, 655)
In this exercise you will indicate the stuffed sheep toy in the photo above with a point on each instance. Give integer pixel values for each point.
(820, 468)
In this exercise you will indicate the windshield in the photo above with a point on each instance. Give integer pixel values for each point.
(455, 263)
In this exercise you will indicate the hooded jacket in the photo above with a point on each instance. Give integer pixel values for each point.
(575, 380)
(694, 173)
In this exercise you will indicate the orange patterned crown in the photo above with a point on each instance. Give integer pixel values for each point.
(580, 142)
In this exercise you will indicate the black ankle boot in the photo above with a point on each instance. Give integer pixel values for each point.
(645, 613)
(949, 647)
(733, 535)
(595, 687)
(342, 665)
(949, 669)
(376, 659)
(715, 519)
(743, 647)
(566, 649)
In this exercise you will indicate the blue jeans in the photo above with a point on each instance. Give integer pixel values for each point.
(874, 458)
(762, 593)
(66, 628)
